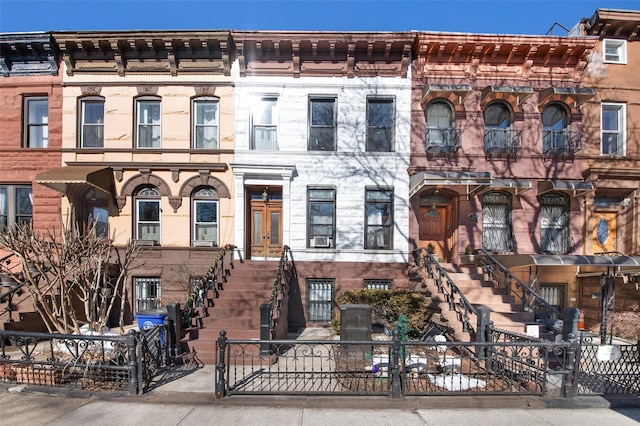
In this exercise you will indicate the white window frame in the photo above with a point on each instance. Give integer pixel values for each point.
(621, 51)
(268, 126)
(32, 126)
(148, 123)
(374, 129)
(148, 199)
(621, 109)
(199, 199)
(378, 231)
(196, 143)
(143, 300)
(9, 213)
(83, 123)
(311, 201)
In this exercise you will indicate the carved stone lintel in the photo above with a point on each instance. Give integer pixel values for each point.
(205, 90)
(147, 89)
(175, 202)
(91, 90)
(204, 176)
(145, 174)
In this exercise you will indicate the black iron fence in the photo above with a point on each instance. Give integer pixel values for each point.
(398, 368)
(97, 363)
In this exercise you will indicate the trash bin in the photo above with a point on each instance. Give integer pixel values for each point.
(151, 318)
(355, 325)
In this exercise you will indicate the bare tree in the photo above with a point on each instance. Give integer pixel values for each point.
(74, 277)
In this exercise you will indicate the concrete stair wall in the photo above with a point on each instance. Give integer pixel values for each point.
(236, 309)
(506, 314)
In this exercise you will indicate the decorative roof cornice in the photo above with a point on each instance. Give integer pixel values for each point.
(28, 54)
(612, 23)
(304, 54)
(164, 52)
(474, 56)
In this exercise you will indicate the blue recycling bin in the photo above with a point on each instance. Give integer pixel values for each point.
(151, 318)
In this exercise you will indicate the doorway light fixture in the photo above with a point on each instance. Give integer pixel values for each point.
(265, 194)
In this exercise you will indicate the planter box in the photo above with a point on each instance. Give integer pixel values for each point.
(38, 375)
(7, 372)
(468, 259)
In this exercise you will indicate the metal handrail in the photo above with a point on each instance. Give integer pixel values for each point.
(531, 301)
(462, 307)
(280, 290)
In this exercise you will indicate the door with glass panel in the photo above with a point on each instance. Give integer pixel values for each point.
(604, 232)
(265, 228)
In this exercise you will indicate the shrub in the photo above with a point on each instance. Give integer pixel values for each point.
(388, 306)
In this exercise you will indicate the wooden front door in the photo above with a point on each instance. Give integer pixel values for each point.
(266, 229)
(604, 232)
(433, 226)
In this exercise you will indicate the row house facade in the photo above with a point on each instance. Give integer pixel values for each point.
(497, 148)
(148, 123)
(351, 149)
(322, 149)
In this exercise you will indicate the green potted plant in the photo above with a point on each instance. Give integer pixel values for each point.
(468, 258)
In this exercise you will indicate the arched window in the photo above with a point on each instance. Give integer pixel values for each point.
(204, 213)
(498, 133)
(554, 223)
(555, 121)
(147, 215)
(497, 235)
(440, 124)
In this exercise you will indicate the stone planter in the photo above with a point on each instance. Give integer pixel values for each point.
(468, 259)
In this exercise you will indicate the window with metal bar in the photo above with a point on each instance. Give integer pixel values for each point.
(148, 293)
(320, 299)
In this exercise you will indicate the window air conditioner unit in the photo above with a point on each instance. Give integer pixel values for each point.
(321, 241)
(203, 243)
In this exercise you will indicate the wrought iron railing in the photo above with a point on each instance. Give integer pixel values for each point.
(273, 321)
(445, 140)
(456, 300)
(393, 368)
(502, 141)
(512, 285)
(561, 142)
(94, 363)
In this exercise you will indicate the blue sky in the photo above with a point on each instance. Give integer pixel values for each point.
(495, 17)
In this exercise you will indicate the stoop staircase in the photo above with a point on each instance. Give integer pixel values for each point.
(236, 309)
(471, 281)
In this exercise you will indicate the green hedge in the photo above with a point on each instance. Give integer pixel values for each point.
(388, 306)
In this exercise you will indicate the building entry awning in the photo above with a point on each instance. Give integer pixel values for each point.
(576, 188)
(600, 264)
(518, 186)
(73, 181)
(468, 182)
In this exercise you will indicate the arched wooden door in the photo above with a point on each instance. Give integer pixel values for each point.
(433, 224)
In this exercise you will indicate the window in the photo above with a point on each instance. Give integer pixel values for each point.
(148, 215)
(147, 294)
(322, 217)
(205, 123)
(554, 224)
(553, 294)
(37, 123)
(555, 137)
(205, 217)
(613, 129)
(615, 51)
(497, 235)
(378, 284)
(264, 119)
(380, 113)
(379, 218)
(92, 123)
(16, 205)
(148, 123)
(440, 129)
(320, 299)
(499, 137)
(322, 127)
